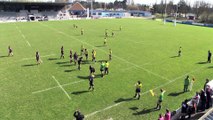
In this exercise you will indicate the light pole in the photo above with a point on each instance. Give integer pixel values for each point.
(175, 21)
(164, 21)
(91, 8)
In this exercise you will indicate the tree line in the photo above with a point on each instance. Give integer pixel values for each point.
(202, 10)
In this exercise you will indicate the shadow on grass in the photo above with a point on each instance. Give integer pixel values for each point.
(70, 70)
(63, 62)
(210, 67)
(202, 62)
(174, 94)
(174, 56)
(3, 56)
(53, 59)
(124, 99)
(100, 46)
(101, 61)
(29, 65)
(83, 77)
(79, 92)
(134, 108)
(145, 111)
(67, 65)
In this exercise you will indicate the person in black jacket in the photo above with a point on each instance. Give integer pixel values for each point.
(203, 100)
(78, 115)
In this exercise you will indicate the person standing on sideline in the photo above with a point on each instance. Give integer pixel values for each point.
(186, 84)
(62, 52)
(209, 57)
(179, 51)
(207, 81)
(160, 100)
(138, 86)
(208, 98)
(203, 99)
(191, 84)
(167, 115)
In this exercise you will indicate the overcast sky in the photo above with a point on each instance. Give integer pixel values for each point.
(154, 1)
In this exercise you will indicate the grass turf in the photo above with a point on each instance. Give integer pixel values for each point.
(144, 50)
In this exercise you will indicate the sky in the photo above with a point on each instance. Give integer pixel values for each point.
(154, 1)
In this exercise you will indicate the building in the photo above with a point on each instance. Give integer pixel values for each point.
(130, 2)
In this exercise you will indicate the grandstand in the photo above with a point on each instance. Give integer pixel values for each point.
(33, 10)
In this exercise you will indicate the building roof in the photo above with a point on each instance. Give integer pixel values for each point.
(77, 6)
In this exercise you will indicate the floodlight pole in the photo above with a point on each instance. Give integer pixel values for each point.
(164, 21)
(91, 8)
(175, 21)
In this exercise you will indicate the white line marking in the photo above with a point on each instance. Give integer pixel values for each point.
(173, 80)
(61, 87)
(57, 87)
(23, 35)
(155, 74)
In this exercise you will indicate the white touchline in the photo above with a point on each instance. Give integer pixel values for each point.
(173, 80)
(57, 87)
(155, 74)
(61, 87)
(23, 35)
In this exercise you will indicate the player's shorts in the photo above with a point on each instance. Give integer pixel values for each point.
(91, 84)
(86, 55)
(160, 101)
(138, 90)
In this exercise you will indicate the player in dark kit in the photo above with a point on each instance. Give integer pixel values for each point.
(86, 53)
(82, 31)
(71, 56)
(91, 83)
(92, 70)
(79, 63)
(209, 57)
(75, 57)
(110, 54)
(10, 51)
(62, 52)
(38, 58)
(113, 34)
(179, 52)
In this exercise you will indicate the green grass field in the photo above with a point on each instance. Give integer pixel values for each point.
(143, 51)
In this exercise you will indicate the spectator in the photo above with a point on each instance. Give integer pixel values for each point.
(184, 109)
(196, 100)
(208, 97)
(160, 117)
(204, 87)
(203, 100)
(167, 115)
(78, 115)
